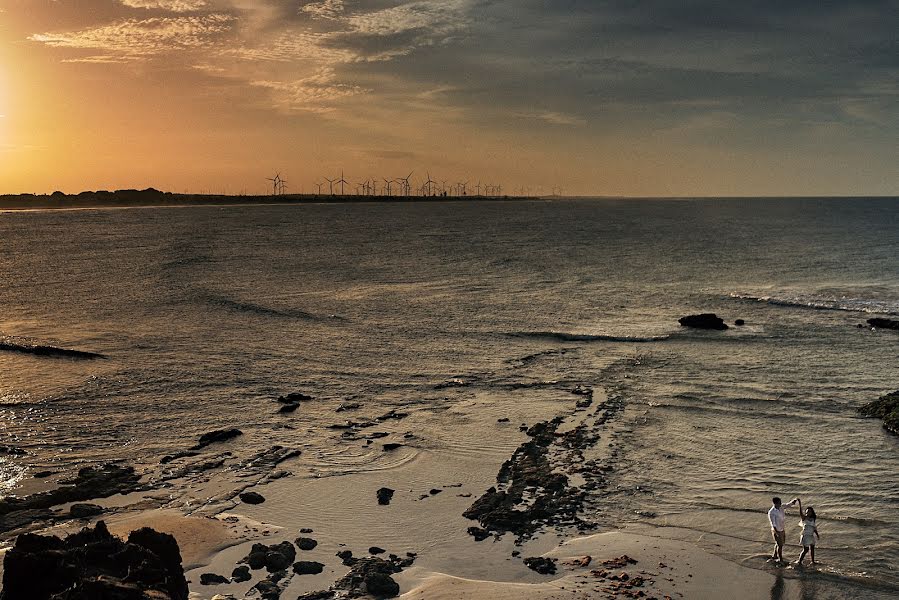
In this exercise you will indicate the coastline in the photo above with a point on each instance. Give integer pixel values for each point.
(339, 511)
(154, 198)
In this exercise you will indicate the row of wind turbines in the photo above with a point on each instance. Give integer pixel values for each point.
(400, 186)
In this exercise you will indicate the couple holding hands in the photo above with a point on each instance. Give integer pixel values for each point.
(777, 517)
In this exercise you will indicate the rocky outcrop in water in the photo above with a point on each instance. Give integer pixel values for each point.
(276, 557)
(886, 408)
(42, 350)
(384, 495)
(94, 565)
(91, 482)
(252, 498)
(703, 321)
(219, 435)
(879, 323)
(544, 566)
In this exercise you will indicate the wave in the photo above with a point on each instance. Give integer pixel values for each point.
(24, 347)
(267, 311)
(845, 304)
(588, 337)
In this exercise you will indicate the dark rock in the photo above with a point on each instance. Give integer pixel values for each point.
(883, 323)
(392, 414)
(94, 565)
(308, 567)
(384, 494)
(371, 576)
(478, 533)
(268, 590)
(304, 543)
(91, 482)
(213, 579)
(44, 474)
(376, 550)
(294, 398)
(503, 420)
(170, 457)
(739, 322)
(703, 321)
(276, 557)
(288, 408)
(252, 498)
(516, 553)
(435, 491)
(544, 566)
(381, 585)
(241, 574)
(220, 435)
(392, 446)
(85, 511)
(12, 450)
(346, 557)
(305, 530)
(886, 408)
(348, 406)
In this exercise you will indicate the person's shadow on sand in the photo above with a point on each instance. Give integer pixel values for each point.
(779, 588)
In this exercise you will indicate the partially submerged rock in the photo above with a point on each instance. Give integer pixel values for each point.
(91, 482)
(544, 566)
(703, 321)
(308, 567)
(294, 397)
(219, 435)
(276, 557)
(252, 498)
(886, 408)
(85, 511)
(93, 564)
(213, 579)
(384, 495)
(880, 323)
(305, 543)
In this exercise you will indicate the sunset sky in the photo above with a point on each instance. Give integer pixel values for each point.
(620, 97)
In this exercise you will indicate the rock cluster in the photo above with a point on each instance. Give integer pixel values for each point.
(886, 408)
(93, 564)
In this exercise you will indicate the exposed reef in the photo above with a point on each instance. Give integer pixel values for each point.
(93, 565)
(886, 408)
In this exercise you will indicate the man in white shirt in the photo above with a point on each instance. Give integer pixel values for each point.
(776, 515)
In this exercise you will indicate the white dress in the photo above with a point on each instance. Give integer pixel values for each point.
(808, 532)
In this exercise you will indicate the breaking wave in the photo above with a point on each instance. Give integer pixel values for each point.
(588, 337)
(842, 303)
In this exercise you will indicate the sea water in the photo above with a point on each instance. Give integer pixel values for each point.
(207, 314)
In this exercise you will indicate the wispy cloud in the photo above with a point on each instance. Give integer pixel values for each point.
(170, 5)
(317, 93)
(144, 37)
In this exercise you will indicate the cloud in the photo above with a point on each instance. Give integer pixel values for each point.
(324, 9)
(317, 93)
(557, 118)
(144, 37)
(169, 5)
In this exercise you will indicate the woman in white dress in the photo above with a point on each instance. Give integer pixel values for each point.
(809, 532)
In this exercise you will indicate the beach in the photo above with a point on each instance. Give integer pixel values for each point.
(444, 350)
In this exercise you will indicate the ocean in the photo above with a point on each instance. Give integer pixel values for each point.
(205, 315)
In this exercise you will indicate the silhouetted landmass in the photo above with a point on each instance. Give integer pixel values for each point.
(154, 197)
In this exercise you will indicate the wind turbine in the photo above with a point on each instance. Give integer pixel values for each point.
(341, 181)
(407, 189)
(389, 182)
(276, 183)
(478, 187)
(319, 186)
(428, 183)
(463, 188)
(330, 185)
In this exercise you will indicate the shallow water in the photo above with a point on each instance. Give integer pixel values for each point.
(207, 314)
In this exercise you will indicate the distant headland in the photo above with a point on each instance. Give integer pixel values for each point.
(154, 197)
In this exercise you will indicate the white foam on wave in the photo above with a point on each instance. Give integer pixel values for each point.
(886, 306)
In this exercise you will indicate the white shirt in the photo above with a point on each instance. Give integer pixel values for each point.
(776, 515)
